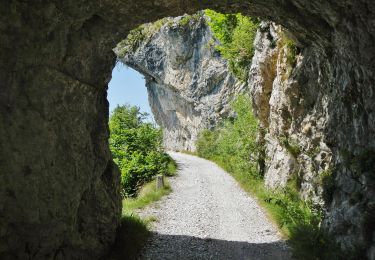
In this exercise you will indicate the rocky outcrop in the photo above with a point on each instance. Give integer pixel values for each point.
(189, 84)
(297, 99)
(59, 190)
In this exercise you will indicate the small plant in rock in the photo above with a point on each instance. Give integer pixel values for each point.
(139, 35)
(292, 52)
(291, 146)
(327, 181)
(291, 49)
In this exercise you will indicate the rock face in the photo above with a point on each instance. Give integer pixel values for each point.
(299, 103)
(189, 84)
(59, 193)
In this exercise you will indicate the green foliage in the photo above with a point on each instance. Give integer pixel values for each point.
(233, 146)
(136, 148)
(147, 195)
(291, 146)
(138, 35)
(236, 34)
(134, 231)
(132, 42)
(186, 19)
(292, 51)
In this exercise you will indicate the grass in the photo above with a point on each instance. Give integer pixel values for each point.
(146, 195)
(171, 168)
(134, 230)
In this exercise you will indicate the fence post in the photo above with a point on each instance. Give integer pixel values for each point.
(159, 181)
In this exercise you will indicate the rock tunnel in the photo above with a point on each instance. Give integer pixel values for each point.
(59, 192)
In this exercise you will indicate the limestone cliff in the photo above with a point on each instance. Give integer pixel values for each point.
(189, 84)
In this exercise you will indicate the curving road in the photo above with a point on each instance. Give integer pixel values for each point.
(208, 216)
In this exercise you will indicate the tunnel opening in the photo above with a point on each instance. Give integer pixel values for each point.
(187, 98)
(191, 86)
(60, 189)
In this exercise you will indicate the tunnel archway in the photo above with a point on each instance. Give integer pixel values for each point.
(59, 195)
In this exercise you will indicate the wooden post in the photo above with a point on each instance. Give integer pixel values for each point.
(159, 182)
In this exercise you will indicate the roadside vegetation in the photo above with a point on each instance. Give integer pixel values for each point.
(134, 230)
(148, 194)
(136, 147)
(234, 147)
(236, 33)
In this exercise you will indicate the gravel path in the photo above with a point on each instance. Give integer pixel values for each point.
(208, 216)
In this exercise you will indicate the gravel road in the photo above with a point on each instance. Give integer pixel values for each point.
(208, 216)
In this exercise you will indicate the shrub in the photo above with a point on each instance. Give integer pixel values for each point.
(136, 147)
(292, 51)
(234, 143)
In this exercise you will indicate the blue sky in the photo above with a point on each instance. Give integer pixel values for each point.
(127, 86)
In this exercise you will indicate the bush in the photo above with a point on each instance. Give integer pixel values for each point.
(136, 148)
(236, 34)
(234, 143)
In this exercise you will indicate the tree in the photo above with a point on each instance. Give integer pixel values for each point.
(136, 148)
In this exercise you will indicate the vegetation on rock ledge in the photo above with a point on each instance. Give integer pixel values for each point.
(236, 34)
(137, 35)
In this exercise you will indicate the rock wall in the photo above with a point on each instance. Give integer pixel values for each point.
(300, 106)
(189, 84)
(59, 189)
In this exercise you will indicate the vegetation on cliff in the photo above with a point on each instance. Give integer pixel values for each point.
(234, 147)
(136, 36)
(136, 147)
(236, 34)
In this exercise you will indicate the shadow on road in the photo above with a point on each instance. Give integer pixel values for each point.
(162, 246)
